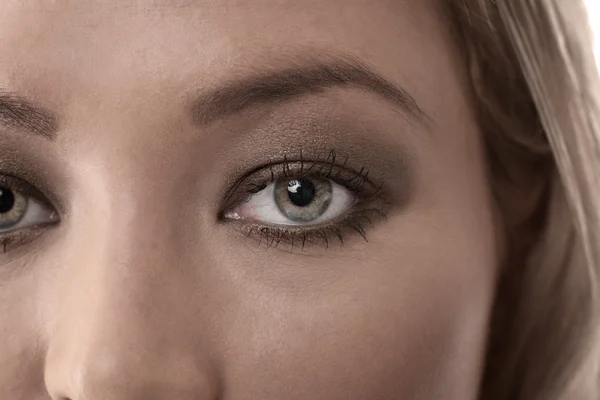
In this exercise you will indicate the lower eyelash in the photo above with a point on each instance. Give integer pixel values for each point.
(354, 223)
(10, 240)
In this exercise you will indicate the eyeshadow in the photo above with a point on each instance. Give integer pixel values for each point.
(32, 162)
(391, 169)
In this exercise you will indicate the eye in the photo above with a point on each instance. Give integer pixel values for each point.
(295, 201)
(21, 206)
(302, 201)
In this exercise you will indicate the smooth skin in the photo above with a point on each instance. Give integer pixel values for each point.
(142, 291)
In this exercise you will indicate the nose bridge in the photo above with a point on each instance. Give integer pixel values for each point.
(124, 330)
(127, 208)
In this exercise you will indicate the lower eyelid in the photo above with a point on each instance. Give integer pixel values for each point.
(352, 225)
(15, 239)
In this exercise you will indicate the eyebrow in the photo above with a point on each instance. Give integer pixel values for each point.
(235, 97)
(313, 77)
(20, 114)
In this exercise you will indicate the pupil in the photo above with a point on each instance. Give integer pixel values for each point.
(301, 192)
(7, 200)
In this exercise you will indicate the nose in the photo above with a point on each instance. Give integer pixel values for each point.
(127, 327)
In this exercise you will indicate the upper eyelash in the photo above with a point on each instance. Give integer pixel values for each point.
(27, 189)
(330, 163)
(20, 185)
(328, 168)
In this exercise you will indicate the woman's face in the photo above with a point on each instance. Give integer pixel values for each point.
(239, 200)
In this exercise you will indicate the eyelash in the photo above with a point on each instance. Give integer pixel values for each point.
(22, 236)
(356, 222)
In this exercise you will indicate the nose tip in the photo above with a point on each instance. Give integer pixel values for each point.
(128, 335)
(128, 373)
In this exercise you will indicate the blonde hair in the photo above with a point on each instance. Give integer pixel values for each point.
(537, 89)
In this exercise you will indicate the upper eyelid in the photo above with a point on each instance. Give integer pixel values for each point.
(41, 173)
(24, 187)
(241, 190)
(332, 158)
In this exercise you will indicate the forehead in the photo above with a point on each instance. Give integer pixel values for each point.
(55, 51)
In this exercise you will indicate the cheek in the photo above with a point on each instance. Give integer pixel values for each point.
(21, 361)
(406, 317)
(403, 316)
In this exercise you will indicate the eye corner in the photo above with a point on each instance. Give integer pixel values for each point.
(29, 214)
(229, 215)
